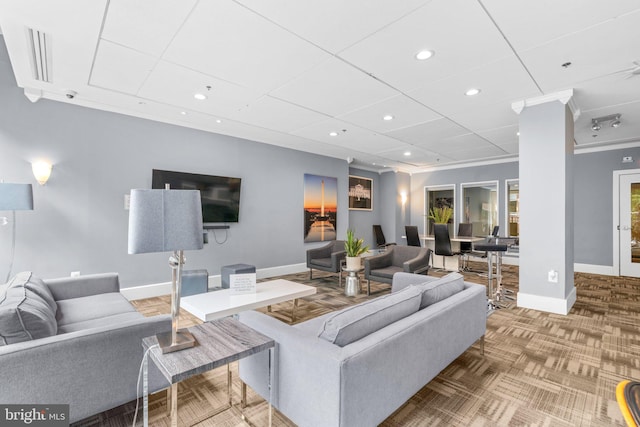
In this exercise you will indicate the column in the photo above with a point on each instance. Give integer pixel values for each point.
(546, 202)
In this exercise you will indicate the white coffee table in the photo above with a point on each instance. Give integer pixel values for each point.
(218, 304)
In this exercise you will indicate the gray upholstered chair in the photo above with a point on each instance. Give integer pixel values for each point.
(326, 258)
(408, 259)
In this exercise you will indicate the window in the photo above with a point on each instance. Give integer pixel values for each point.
(438, 197)
(480, 206)
(513, 208)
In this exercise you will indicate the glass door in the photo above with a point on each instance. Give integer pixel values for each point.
(629, 225)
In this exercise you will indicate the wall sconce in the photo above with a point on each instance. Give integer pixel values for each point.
(403, 197)
(42, 171)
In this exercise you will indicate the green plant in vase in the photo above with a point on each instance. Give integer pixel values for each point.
(441, 215)
(354, 247)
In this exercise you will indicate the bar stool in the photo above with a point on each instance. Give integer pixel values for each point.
(494, 249)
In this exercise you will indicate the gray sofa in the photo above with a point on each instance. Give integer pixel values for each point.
(357, 366)
(75, 341)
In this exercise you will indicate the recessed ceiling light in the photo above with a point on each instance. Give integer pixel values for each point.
(184, 113)
(388, 117)
(218, 121)
(407, 153)
(518, 133)
(472, 92)
(333, 133)
(424, 54)
(200, 96)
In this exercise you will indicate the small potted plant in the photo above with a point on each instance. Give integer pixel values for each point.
(354, 248)
(441, 215)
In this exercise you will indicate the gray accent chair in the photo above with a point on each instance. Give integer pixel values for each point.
(407, 259)
(326, 258)
(318, 383)
(92, 358)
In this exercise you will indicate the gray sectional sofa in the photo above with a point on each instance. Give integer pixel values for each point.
(357, 366)
(75, 341)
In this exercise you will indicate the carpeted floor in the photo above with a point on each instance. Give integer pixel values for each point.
(539, 369)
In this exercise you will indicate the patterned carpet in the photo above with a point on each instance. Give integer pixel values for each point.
(539, 369)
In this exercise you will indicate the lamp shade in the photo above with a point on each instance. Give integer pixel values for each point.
(16, 197)
(164, 221)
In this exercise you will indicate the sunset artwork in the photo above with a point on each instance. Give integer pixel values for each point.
(320, 208)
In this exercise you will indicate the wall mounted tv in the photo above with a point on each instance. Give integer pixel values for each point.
(220, 194)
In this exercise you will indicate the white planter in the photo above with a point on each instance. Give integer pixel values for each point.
(354, 263)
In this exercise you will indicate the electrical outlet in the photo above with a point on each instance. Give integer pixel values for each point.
(75, 274)
(127, 202)
(553, 276)
(627, 159)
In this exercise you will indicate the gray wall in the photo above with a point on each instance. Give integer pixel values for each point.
(362, 221)
(79, 222)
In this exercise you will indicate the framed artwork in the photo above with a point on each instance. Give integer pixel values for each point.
(320, 208)
(360, 193)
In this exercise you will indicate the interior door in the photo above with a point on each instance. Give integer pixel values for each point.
(629, 225)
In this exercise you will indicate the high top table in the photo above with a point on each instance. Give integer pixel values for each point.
(493, 249)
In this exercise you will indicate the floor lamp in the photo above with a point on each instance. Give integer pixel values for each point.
(165, 221)
(15, 197)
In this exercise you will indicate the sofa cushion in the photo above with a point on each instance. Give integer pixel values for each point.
(444, 287)
(324, 262)
(112, 320)
(92, 307)
(358, 321)
(27, 310)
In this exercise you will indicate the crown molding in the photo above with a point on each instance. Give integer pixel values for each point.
(564, 96)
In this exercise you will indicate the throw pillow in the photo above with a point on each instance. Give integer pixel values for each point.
(354, 323)
(27, 310)
(440, 289)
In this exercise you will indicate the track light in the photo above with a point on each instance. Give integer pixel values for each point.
(596, 124)
(616, 122)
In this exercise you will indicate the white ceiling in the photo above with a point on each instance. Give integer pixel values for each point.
(289, 72)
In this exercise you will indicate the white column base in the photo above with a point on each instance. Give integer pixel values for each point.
(548, 304)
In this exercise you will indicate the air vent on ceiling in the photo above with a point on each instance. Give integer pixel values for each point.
(41, 53)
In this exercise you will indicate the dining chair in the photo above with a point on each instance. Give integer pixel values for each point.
(443, 242)
(381, 242)
(465, 229)
(413, 238)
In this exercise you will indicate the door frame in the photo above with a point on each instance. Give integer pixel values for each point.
(616, 216)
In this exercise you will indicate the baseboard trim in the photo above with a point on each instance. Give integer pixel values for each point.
(604, 270)
(548, 304)
(164, 288)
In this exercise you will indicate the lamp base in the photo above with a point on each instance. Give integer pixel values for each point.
(184, 339)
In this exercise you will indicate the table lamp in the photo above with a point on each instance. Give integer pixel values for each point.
(15, 197)
(167, 221)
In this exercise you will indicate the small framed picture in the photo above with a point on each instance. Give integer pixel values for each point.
(360, 193)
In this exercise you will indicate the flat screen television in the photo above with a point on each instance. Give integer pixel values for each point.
(220, 194)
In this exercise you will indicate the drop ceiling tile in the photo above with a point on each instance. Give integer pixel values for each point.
(120, 68)
(333, 24)
(531, 23)
(145, 25)
(459, 32)
(334, 88)
(418, 156)
(432, 131)
(614, 89)
(478, 153)
(348, 136)
(230, 42)
(504, 136)
(275, 114)
(603, 49)
(458, 143)
(488, 117)
(175, 85)
(504, 80)
(405, 111)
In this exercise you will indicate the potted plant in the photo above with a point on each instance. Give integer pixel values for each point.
(354, 248)
(441, 215)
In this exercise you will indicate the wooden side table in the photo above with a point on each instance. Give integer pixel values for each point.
(219, 343)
